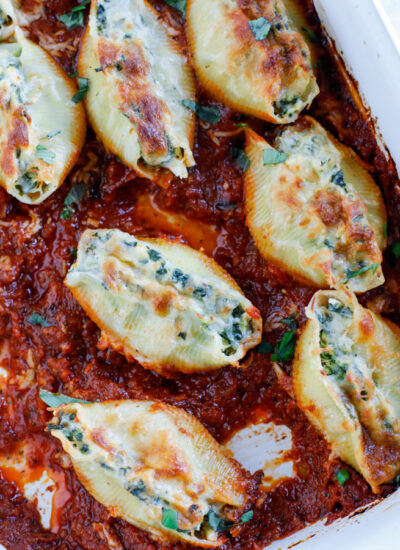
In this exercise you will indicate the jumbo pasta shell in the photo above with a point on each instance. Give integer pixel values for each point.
(153, 465)
(313, 208)
(138, 79)
(42, 129)
(162, 303)
(264, 78)
(346, 379)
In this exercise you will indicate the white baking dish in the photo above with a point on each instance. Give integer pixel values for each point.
(364, 32)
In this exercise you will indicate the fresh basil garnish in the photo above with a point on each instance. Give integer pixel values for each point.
(179, 5)
(342, 476)
(311, 35)
(271, 156)
(54, 400)
(265, 347)
(83, 88)
(246, 517)
(350, 273)
(75, 17)
(209, 114)
(242, 160)
(260, 28)
(170, 518)
(72, 200)
(37, 319)
(45, 154)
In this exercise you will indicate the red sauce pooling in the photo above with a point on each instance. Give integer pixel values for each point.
(206, 211)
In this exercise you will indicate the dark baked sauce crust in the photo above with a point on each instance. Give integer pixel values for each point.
(205, 211)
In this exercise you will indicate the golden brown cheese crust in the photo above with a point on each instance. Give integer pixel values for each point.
(271, 78)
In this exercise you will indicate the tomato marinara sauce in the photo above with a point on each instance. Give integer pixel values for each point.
(207, 212)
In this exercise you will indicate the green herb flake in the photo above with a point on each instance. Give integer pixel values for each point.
(311, 35)
(350, 274)
(72, 200)
(242, 160)
(83, 88)
(284, 351)
(260, 28)
(75, 17)
(38, 320)
(209, 114)
(52, 134)
(271, 156)
(74, 74)
(217, 523)
(342, 476)
(246, 517)
(290, 322)
(241, 125)
(396, 250)
(265, 347)
(45, 154)
(54, 400)
(170, 518)
(179, 5)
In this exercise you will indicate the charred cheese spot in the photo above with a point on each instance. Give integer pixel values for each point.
(270, 78)
(42, 130)
(138, 80)
(317, 212)
(347, 380)
(145, 460)
(162, 303)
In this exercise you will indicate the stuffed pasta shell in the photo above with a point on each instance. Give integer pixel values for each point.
(41, 128)
(162, 303)
(346, 378)
(138, 79)
(313, 208)
(155, 466)
(252, 56)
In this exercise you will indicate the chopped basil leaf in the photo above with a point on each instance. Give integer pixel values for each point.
(45, 154)
(75, 17)
(271, 156)
(265, 347)
(260, 28)
(37, 319)
(350, 273)
(311, 35)
(179, 5)
(242, 160)
(83, 88)
(170, 518)
(74, 197)
(56, 399)
(342, 476)
(74, 74)
(284, 351)
(52, 134)
(73, 254)
(153, 255)
(290, 322)
(241, 125)
(209, 114)
(217, 523)
(247, 516)
(396, 250)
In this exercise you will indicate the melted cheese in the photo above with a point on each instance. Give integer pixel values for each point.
(347, 380)
(162, 303)
(41, 129)
(138, 80)
(319, 214)
(272, 78)
(145, 460)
